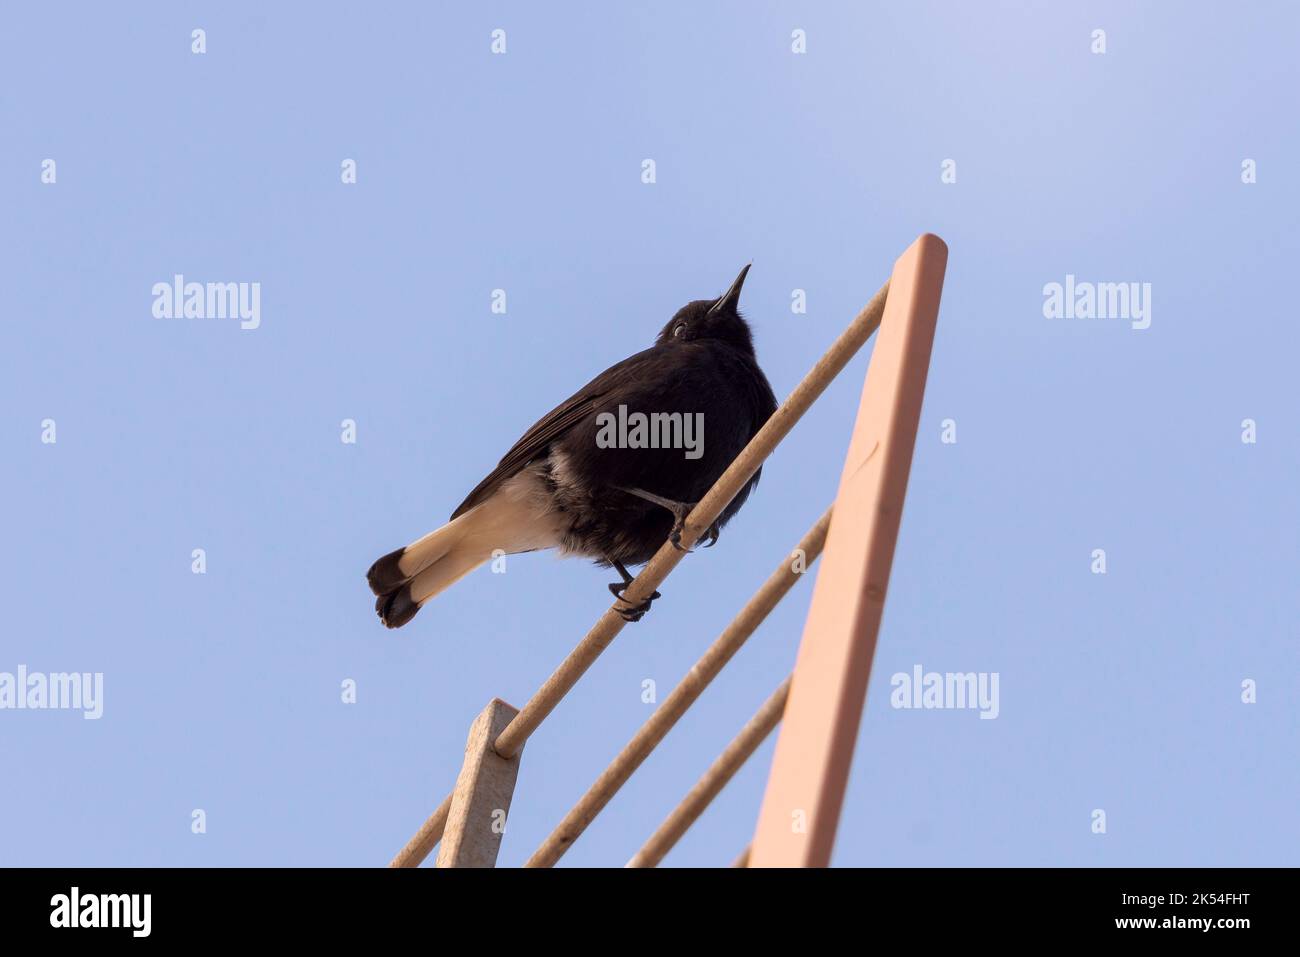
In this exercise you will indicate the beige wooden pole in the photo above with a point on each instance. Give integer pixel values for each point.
(810, 769)
(697, 800)
(686, 693)
(480, 803)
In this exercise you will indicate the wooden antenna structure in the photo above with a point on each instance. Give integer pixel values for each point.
(819, 706)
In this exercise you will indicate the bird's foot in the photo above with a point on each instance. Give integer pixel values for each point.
(632, 612)
(680, 510)
(679, 526)
(675, 536)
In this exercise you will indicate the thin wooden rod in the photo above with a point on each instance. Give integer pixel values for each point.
(426, 838)
(697, 800)
(740, 471)
(743, 859)
(665, 560)
(682, 697)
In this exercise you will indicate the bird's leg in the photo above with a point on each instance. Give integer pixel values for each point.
(633, 612)
(680, 510)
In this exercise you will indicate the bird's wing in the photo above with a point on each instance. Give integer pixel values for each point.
(553, 425)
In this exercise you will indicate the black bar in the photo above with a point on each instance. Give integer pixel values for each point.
(366, 906)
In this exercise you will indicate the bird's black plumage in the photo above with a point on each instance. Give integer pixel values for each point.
(703, 363)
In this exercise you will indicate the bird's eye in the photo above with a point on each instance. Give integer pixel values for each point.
(678, 330)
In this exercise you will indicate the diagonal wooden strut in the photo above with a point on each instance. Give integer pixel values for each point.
(810, 769)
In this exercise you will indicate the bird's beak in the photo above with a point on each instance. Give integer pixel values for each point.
(730, 298)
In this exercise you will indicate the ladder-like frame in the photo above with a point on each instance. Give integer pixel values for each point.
(820, 704)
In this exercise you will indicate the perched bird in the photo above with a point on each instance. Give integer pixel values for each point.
(584, 480)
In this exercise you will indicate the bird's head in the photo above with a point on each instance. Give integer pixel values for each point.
(711, 319)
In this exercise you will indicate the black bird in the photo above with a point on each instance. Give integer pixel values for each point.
(565, 485)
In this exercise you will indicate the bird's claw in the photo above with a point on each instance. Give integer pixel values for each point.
(632, 612)
(675, 536)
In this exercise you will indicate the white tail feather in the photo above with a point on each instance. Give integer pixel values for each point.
(515, 519)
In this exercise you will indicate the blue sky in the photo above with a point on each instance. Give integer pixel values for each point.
(521, 171)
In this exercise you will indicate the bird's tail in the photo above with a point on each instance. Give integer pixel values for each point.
(405, 579)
